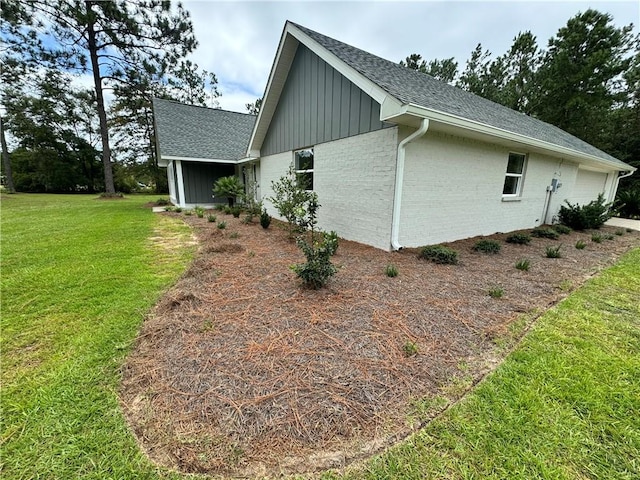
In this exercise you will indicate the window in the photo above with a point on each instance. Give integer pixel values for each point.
(303, 164)
(515, 172)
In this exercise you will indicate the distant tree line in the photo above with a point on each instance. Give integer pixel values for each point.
(586, 82)
(69, 138)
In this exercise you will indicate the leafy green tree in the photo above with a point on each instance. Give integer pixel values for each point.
(445, 70)
(132, 115)
(289, 199)
(254, 107)
(106, 39)
(522, 61)
(580, 75)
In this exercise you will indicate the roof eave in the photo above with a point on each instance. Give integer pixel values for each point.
(411, 114)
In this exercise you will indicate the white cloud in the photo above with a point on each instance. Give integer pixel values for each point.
(238, 40)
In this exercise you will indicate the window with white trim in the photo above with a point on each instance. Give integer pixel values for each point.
(303, 165)
(515, 174)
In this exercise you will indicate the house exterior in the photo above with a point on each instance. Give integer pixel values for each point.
(198, 145)
(399, 159)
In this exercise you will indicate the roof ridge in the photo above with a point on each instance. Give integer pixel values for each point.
(182, 104)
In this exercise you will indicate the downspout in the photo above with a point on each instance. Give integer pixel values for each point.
(397, 197)
(614, 190)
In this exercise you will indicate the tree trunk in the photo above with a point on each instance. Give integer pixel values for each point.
(6, 161)
(102, 114)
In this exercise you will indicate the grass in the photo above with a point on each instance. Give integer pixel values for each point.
(564, 405)
(78, 275)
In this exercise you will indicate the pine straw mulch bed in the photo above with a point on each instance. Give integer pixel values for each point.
(238, 371)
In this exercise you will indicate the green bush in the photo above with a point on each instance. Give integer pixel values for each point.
(619, 232)
(519, 238)
(545, 232)
(236, 211)
(580, 244)
(562, 229)
(229, 187)
(177, 209)
(161, 202)
(487, 246)
(608, 236)
(553, 252)
(289, 199)
(318, 268)
(596, 237)
(265, 219)
(391, 270)
(582, 217)
(212, 218)
(439, 254)
(222, 225)
(226, 209)
(627, 202)
(523, 264)
(496, 292)
(410, 349)
(199, 211)
(331, 241)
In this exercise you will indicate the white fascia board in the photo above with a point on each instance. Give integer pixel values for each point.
(202, 160)
(350, 73)
(464, 123)
(247, 159)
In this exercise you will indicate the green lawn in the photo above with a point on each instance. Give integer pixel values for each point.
(79, 274)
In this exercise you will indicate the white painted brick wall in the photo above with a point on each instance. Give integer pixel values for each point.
(452, 187)
(453, 190)
(354, 180)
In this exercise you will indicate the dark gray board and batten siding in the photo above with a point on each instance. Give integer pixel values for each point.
(318, 105)
(199, 178)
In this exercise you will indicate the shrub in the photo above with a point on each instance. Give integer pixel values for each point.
(177, 209)
(580, 244)
(391, 270)
(627, 202)
(523, 264)
(582, 217)
(289, 199)
(487, 246)
(234, 235)
(168, 209)
(226, 209)
(553, 252)
(265, 219)
(188, 212)
(410, 349)
(199, 212)
(596, 237)
(545, 232)
(161, 202)
(222, 225)
(439, 254)
(608, 236)
(236, 211)
(318, 268)
(496, 292)
(519, 238)
(562, 229)
(219, 207)
(619, 232)
(331, 241)
(212, 218)
(229, 187)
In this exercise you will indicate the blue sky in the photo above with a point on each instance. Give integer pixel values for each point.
(238, 40)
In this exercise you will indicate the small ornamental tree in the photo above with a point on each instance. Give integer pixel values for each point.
(318, 268)
(229, 187)
(289, 199)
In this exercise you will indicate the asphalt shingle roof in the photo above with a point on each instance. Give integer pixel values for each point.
(197, 132)
(411, 86)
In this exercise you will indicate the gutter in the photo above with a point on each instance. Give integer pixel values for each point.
(397, 197)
